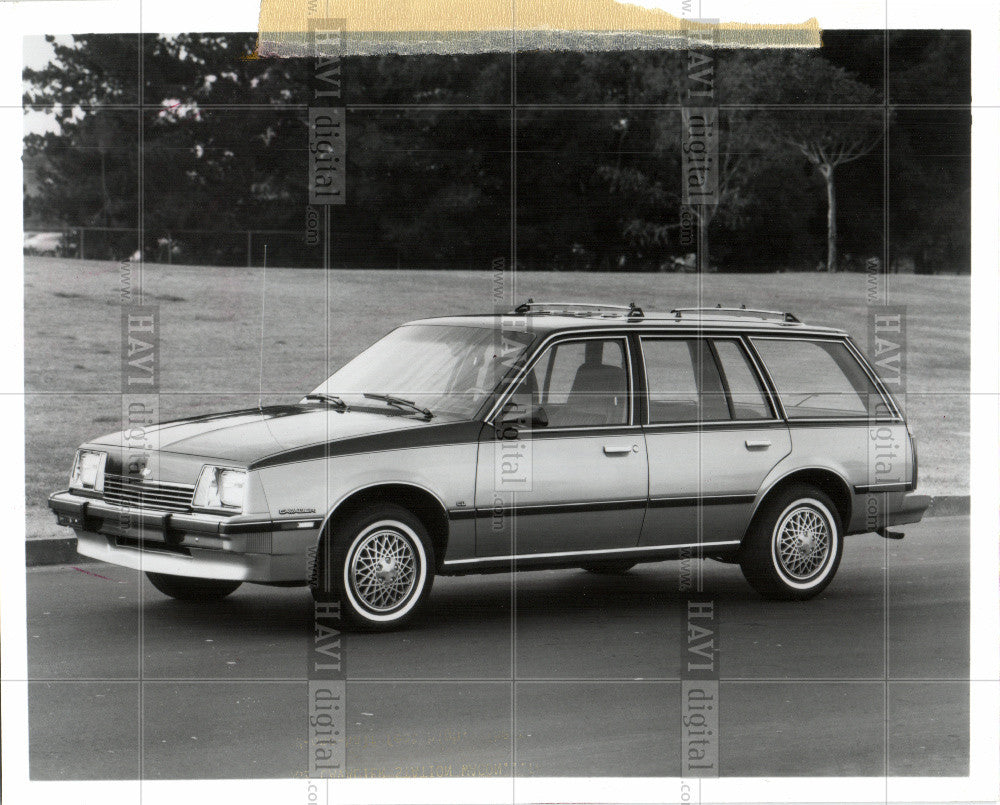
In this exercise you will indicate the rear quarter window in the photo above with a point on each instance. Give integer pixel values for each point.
(818, 379)
(745, 392)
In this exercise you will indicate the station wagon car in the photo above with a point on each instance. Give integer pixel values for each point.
(560, 435)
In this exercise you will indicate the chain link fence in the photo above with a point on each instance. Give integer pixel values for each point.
(287, 248)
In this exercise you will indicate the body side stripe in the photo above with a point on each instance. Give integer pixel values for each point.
(452, 433)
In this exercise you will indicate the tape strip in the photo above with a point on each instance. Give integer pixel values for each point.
(439, 26)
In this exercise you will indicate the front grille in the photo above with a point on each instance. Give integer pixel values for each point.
(139, 494)
(258, 543)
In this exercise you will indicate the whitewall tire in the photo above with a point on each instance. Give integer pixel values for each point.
(794, 545)
(379, 564)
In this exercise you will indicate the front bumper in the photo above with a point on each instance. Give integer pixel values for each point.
(188, 544)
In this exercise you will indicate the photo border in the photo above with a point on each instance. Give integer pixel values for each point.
(984, 779)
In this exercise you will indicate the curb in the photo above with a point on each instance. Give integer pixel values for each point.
(948, 505)
(62, 550)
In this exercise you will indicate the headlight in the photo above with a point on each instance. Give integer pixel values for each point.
(88, 470)
(220, 488)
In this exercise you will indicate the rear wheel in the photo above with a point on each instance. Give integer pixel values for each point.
(379, 564)
(794, 545)
(188, 588)
(609, 568)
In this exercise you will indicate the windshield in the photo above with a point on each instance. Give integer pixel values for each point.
(447, 369)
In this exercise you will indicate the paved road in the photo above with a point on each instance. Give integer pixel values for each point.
(597, 663)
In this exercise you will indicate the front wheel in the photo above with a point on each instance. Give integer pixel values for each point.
(379, 564)
(188, 588)
(794, 545)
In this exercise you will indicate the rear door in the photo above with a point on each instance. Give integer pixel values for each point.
(713, 433)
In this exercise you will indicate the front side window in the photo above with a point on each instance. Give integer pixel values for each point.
(817, 379)
(579, 384)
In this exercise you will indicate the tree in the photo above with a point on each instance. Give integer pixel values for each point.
(843, 121)
(597, 170)
(828, 144)
(738, 159)
(238, 167)
(225, 148)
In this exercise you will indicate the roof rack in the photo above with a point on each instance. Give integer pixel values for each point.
(631, 310)
(741, 310)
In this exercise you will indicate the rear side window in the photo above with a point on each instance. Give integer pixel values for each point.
(683, 381)
(817, 379)
(748, 400)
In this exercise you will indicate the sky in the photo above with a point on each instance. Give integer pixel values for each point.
(37, 53)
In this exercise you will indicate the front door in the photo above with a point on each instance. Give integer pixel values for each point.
(713, 436)
(579, 482)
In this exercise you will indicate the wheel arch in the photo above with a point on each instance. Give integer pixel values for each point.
(825, 479)
(424, 505)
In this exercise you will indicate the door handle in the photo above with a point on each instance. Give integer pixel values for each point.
(763, 444)
(620, 449)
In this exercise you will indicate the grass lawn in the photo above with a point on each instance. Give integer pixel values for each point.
(211, 339)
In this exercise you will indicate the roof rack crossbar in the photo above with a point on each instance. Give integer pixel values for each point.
(531, 306)
(742, 310)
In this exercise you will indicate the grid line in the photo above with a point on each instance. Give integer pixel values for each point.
(531, 107)
(503, 680)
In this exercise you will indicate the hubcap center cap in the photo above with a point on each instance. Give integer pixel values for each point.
(386, 569)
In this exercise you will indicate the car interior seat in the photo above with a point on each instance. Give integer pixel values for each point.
(598, 395)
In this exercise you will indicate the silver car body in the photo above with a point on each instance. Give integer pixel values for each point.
(550, 496)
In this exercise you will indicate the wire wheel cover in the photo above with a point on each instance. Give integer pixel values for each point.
(803, 542)
(384, 570)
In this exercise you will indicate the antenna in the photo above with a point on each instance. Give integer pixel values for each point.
(263, 297)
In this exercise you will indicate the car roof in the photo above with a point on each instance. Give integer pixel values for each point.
(546, 318)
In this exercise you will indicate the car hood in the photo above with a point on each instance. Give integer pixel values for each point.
(253, 434)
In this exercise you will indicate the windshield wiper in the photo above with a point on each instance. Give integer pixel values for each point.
(399, 402)
(330, 399)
